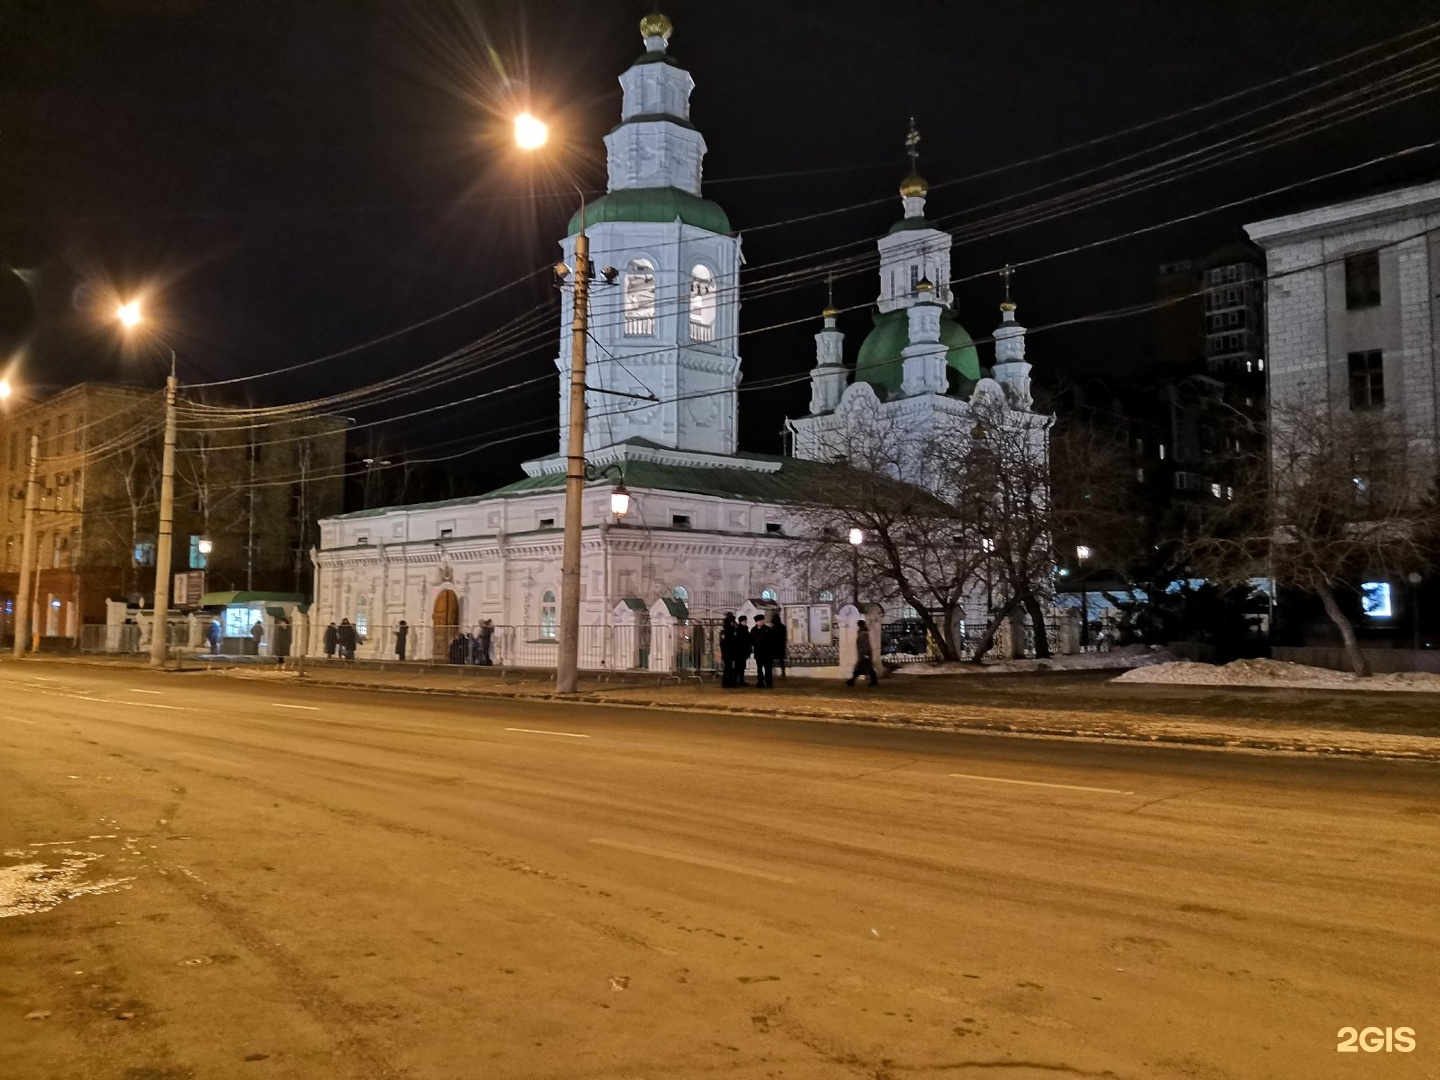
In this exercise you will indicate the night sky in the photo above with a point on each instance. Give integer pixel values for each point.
(291, 179)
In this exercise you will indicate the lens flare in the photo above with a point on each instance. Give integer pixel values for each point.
(129, 314)
(530, 133)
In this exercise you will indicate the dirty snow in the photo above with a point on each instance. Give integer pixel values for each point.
(1277, 673)
(1127, 656)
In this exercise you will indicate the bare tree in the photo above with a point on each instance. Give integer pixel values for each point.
(1334, 505)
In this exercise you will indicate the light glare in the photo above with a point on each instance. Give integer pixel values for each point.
(857, 536)
(530, 133)
(4, 389)
(129, 314)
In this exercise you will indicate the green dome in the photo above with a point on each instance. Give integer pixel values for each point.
(881, 365)
(653, 204)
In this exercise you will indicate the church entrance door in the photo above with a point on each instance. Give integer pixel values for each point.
(446, 623)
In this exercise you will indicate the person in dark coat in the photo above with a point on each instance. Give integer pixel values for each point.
(457, 649)
(402, 637)
(487, 632)
(742, 650)
(864, 656)
(345, 634)
(727, 650)
(214, 635)
(778, 645)
(280, 645)
(257, 635)
(332, 641)
(762, 643)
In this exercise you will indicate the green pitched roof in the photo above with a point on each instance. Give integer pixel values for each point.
(793, 482)
(653, 204)
(880, 364)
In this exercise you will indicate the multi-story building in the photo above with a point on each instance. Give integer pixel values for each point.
(255, 493)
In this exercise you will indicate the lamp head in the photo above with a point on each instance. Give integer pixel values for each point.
(619, 501)
(530, 133)
(129, 314)
(857, 536)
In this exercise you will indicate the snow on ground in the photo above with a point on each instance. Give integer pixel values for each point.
(1276, 673)
(1127, 656)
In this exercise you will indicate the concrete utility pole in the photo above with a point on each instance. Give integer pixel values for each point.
(160, 626)
(568, 662)
(24, 601)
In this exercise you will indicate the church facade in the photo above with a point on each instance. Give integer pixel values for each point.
(710, 527)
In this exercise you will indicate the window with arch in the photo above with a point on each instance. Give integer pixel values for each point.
(768, 594)
(548, 620)
(908, 612)
(680, 592)
(827, 596)
(702, 303)
(640, 297)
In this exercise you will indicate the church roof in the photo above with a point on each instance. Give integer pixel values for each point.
(793, 482)
(881, 365)
(653, 204)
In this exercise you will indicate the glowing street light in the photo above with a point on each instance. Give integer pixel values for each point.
(204, 546)
(129, 317)
(857, 536)
(530, 133)
(619, 501)
(5, 390)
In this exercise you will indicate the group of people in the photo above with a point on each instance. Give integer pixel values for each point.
(470, 648)
(280, 641)
(739, 641)
(341, 640)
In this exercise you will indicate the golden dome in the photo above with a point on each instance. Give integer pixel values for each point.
(914, 185)
(656, 25)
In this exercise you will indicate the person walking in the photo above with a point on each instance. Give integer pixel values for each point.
(402, 638)
(762, 643)
(727, 650)
(332, 640)
(214, 635)
(864, 656)
(345, 635)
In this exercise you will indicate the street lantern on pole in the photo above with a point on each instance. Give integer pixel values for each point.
(1082, 556)
(857, 537)
(130, 316)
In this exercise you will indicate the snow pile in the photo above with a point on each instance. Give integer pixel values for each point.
(1127, 656)
(1277, 673)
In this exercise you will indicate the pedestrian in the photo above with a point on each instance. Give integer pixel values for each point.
(742, 650)
(280, 646)
(257, 635)
(778, 645)
(402, 637)
(487, 631)
(762, 643)
(864, 656)
(332, 640)
(727, 650)
(457, 649)
(214, 635)
(472, 649)
(345, 634)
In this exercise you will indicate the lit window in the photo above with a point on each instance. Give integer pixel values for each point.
(1162, 451)
(144, 553)
(1375, 600)
(702, 304)
(199, 560)
(548, 621)
(640, 297)
(767, 594)
(1215, 490)
(826, 596)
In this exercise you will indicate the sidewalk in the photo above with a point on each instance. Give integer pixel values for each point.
(1059, 705)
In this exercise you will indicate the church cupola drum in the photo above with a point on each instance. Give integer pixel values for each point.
(665, 329)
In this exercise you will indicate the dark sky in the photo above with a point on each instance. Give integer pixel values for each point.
(290, 179)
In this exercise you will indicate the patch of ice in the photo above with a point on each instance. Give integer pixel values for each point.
(29, 888)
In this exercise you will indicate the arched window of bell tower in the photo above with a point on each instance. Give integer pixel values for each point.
(639, 297)
(702, 303)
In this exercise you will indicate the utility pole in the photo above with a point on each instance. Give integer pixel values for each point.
(25, 600)
(160, 627)
(568, 662)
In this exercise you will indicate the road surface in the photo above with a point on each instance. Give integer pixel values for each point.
(215, 877)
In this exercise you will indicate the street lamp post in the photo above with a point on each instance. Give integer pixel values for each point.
(1082, 554)
(857, 537)
(24, 599)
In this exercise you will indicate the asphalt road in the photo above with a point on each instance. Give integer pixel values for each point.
(258, 880)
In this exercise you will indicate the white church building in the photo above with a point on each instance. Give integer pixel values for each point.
(710, 527)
